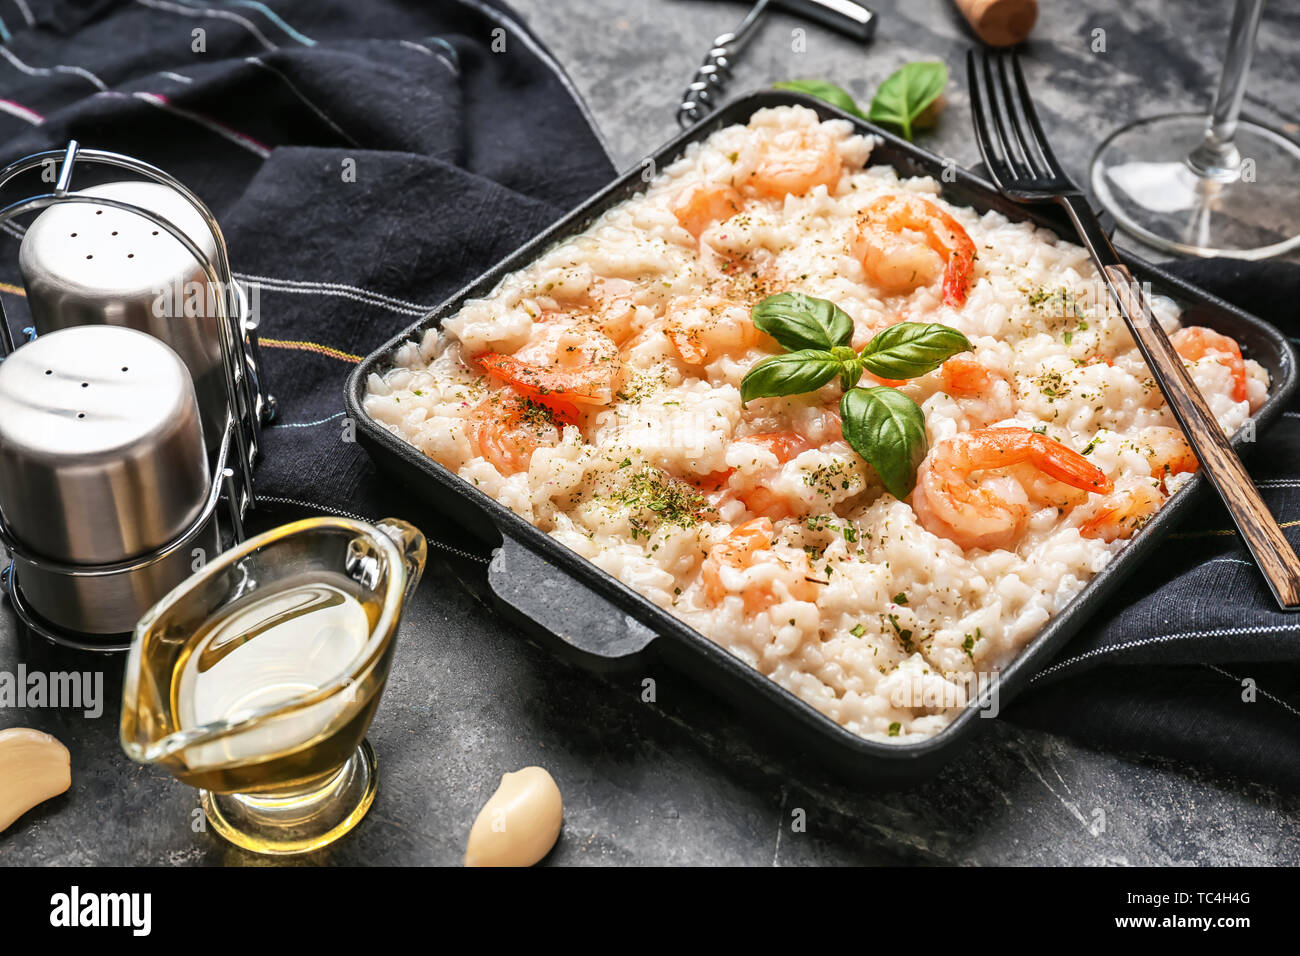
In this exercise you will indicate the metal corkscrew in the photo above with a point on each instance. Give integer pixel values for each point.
(711, 79)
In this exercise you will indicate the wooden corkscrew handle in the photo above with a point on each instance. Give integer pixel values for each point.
(1000, 22)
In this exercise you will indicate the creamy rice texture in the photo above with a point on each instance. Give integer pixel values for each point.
(855, 607)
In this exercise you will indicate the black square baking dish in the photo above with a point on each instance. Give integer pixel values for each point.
(587, 615)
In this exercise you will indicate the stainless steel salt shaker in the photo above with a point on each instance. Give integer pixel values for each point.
(85, 263)
(101, 446)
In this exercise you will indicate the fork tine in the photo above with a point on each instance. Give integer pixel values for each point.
(983, 135)
(1031, 114)
(991, 92)
(1014, 111)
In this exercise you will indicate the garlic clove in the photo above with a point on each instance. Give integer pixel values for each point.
(33, 768)
(520, 822)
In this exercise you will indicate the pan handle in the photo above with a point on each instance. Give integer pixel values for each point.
(545, 598)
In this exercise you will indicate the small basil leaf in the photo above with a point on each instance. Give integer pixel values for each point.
(823, 90)
(789, 374)
(912, 349)
(850, 374)
(905, 95)
(887, 429)
(800, 321)
(850, 366)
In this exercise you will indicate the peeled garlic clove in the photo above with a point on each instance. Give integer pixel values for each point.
(520, 822)
(33, 767)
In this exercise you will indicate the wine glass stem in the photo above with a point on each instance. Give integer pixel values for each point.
(1217, 157)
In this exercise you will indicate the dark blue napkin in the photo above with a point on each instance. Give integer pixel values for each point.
(368, 158)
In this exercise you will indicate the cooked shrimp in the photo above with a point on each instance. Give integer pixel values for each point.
(574, 290)
(745, 564)
(794, 161)
(785, 446)
(766, 503)
(760, 500)
(1120, 514)
(702, 327)
(606, 312)
(965, 377)
(984, 395)
(990, 512)
(564, 365)
(582, 385)
(1167, 450)
(895, 263)
(1195, 342)
(699, 206)
(606, 290)
(612, 311)
(509, 428)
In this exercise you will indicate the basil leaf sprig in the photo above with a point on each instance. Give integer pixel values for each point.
(887, 429)
(903, 99)
(799, 321)
(912, 349)
(881, 424)
(791, 374)
(908, 99)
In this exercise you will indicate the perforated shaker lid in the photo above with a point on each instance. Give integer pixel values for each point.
(86, 250)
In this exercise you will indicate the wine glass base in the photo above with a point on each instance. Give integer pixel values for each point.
(280, 824)
(1141, 177)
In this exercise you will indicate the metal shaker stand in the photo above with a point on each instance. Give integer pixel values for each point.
(249, 406)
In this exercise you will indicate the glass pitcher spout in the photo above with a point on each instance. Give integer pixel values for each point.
(413, 546)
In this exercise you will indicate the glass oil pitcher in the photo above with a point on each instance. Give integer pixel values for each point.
(256, 679)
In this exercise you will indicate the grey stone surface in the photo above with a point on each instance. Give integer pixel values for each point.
(688, 780)
(632, 59)
(683, 781)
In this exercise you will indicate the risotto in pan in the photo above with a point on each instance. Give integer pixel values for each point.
(867, 441)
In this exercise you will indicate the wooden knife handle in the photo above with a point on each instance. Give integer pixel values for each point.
(1000, 22)
(1273, 553)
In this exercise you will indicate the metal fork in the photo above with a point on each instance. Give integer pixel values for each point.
(1024, 168)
